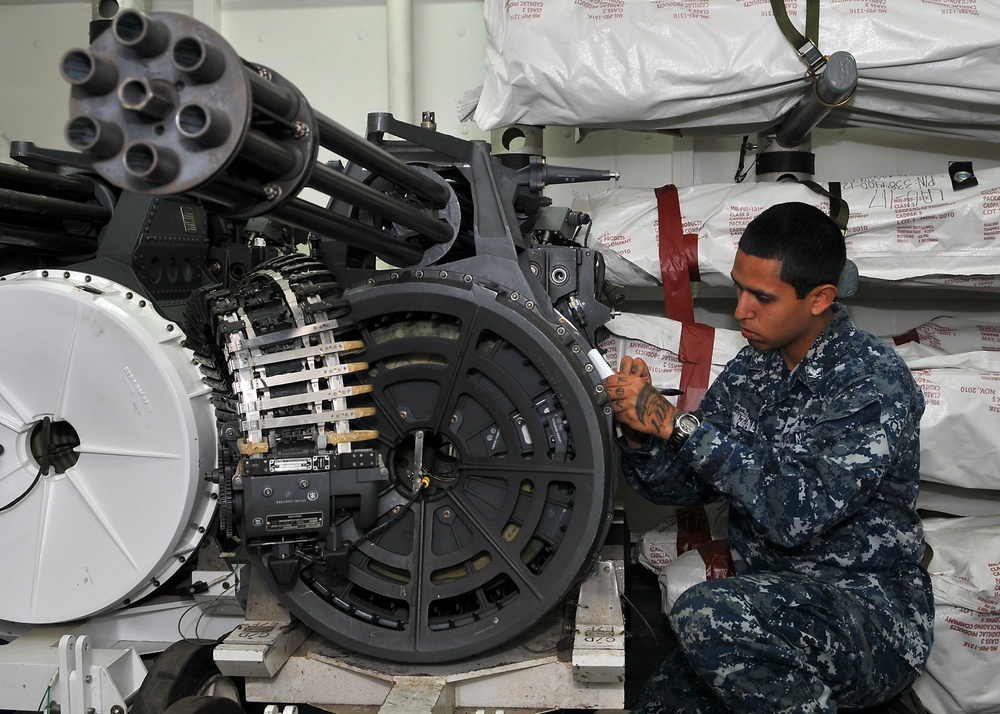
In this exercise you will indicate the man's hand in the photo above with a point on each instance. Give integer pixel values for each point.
(638, 407)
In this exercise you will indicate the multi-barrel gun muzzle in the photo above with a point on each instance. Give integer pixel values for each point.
(164, 105)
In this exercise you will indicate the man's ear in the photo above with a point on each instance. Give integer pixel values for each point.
(822, 297)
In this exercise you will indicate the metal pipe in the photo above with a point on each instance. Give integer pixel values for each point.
(44, 241)
(347, 144)
(311, 217)
(399, 55)
(198, 59)
(54, 207)
(352, 147)
(205, 125)
(228, 193)
(270, 96)
(243, 138)
(103, 139)
(95, 74)
(155, 165)
(103, 10)
(145, 36)
(334, 183)
(831, 89)
(22, 178)
(153, 99)
(278, 159)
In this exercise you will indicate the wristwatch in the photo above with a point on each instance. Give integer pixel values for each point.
(684, 424)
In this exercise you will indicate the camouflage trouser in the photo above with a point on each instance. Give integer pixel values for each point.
(773, 644)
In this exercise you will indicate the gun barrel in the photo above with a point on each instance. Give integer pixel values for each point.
(50, 207)
(47, 242)
(191, 116)
(21, 178)
(311, 217)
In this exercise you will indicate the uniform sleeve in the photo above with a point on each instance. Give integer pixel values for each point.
(812, 478)
(659, 475)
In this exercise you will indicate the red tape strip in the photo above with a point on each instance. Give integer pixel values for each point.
(692, 528)
(695, 354)
(675, 255)
(718, 559)
(678, 268)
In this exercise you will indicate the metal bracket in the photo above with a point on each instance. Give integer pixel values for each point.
(71, 673)
(599, 641)
(261, 645)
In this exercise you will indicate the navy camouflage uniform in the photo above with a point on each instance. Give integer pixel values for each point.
(830, 606)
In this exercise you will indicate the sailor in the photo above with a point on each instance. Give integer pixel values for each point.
(811, 434)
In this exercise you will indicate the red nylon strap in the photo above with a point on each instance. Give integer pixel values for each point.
(675, 259)
(718, 559)
(691, 255)
(692, 528)
(695, 354)
(678, 268)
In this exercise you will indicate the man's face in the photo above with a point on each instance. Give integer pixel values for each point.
(769, 313)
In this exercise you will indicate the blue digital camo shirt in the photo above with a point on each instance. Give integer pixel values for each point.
(820, 468)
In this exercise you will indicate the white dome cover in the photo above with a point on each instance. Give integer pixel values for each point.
(110, 528)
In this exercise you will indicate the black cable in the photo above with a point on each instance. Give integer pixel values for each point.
(43, 464)
(23, 495)
(424, 482)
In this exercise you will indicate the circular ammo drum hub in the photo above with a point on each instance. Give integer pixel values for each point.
(515, 450)
(95, 384)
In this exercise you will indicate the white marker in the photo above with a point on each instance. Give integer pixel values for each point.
(600, 364)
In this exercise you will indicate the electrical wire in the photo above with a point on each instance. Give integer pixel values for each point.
(24, 495)
(370, 535)
(45, 703)
(42, 471)
(46, 458)
(233, 573)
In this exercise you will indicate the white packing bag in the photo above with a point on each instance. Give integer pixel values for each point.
(684, 357)
(683, 528)
(658, 341)
(956, 363)
(901, 228)
(960, 677)
(708, 561)
(960, 428)
(725, 68)
(948, 335)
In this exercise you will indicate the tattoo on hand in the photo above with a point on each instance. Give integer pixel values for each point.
(651, 408)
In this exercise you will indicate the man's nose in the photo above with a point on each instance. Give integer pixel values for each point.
(743, 308)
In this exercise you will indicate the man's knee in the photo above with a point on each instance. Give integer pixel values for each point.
(705, 612)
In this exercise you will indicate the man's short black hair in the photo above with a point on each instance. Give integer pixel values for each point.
(808, 243)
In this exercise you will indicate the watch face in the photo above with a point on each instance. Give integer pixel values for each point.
(687, 423)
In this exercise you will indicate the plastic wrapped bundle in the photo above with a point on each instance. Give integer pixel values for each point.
(913, 229)
(955, 364)
(965, 572)
(725, 68)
